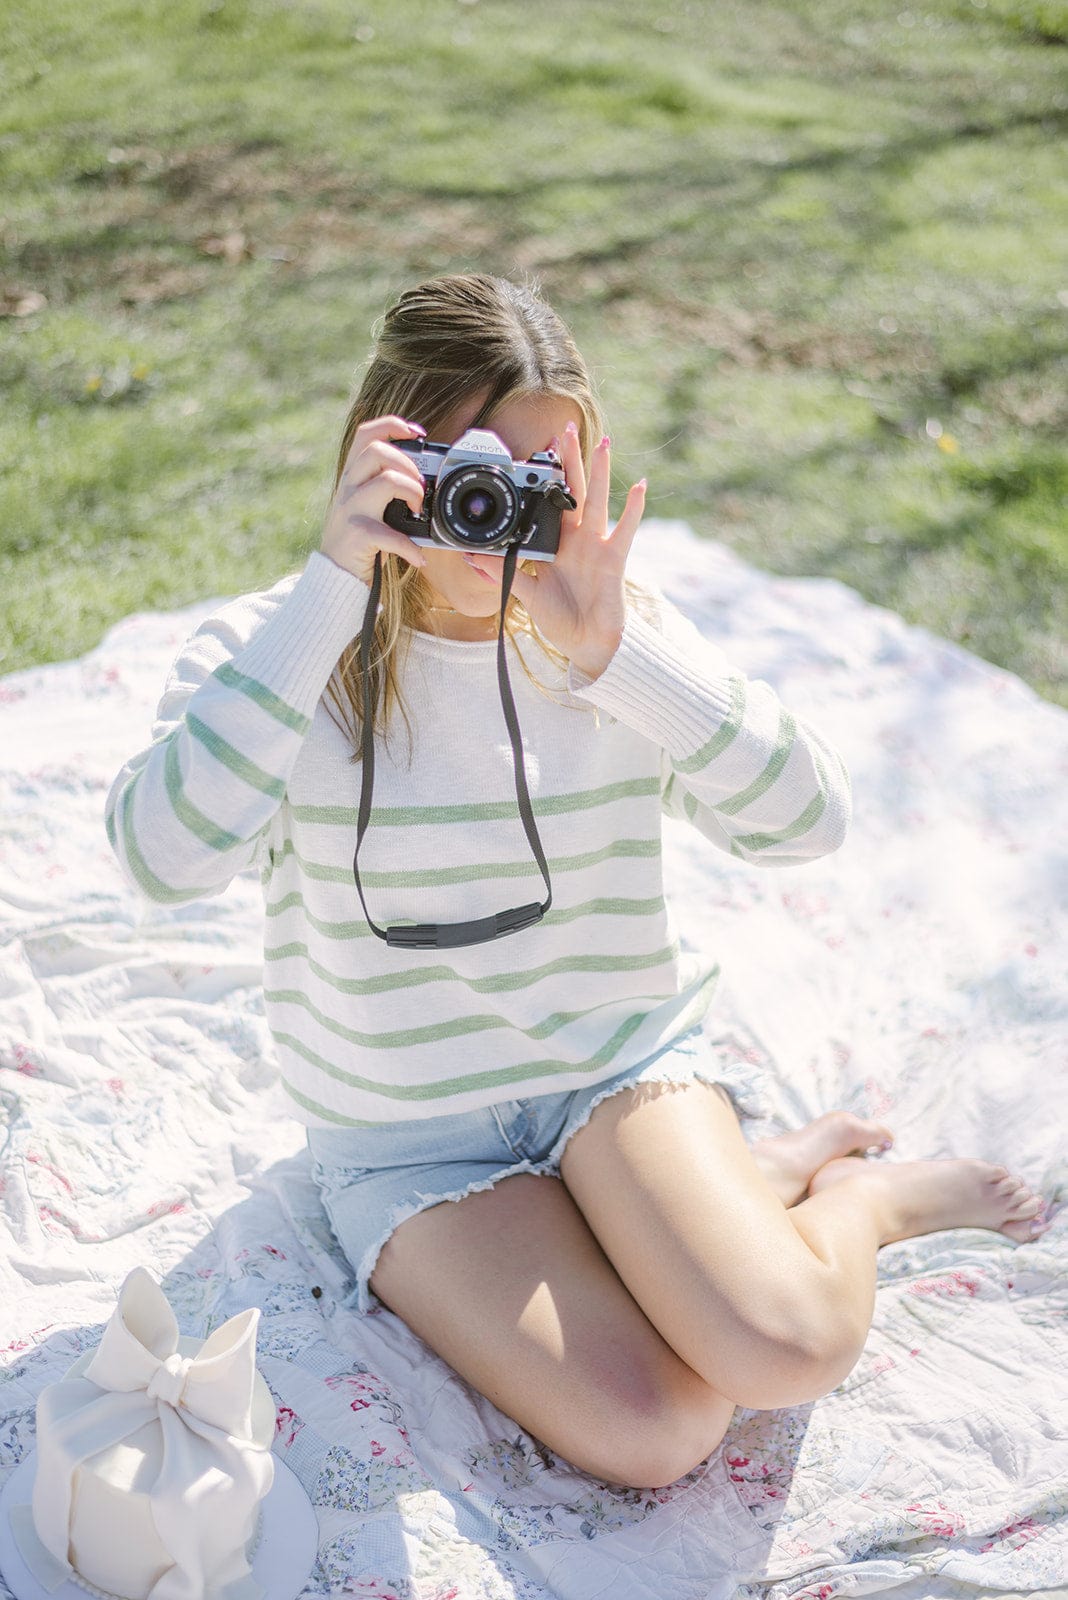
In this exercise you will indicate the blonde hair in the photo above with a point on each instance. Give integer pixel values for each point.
(444, 342)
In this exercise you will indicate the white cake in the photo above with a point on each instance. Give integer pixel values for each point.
(153, 1458)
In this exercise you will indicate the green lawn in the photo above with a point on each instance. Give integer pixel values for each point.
(816, 255)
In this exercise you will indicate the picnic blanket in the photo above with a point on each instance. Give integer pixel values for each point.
(917, 975)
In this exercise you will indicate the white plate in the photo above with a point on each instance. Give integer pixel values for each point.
(283, 1559)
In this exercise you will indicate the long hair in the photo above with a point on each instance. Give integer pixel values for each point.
(444, 342)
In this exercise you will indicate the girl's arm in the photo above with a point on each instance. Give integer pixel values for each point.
(189, 812)
(752, 776)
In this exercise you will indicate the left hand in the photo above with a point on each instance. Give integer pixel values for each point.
(577, 601)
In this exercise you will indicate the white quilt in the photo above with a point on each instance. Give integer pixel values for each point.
(917, 975)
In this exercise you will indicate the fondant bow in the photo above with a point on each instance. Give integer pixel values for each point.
(213, 1472)
(139, 1350)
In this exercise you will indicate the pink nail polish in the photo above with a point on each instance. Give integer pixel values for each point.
(605, 442)
(572, 428)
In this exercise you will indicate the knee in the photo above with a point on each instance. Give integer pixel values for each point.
(656, 1446)
(797, 1372)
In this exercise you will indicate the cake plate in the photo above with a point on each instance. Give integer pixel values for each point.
(281, 1562)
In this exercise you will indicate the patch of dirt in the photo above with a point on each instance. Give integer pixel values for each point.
(230, 205)
(155, 226)
(761, 339)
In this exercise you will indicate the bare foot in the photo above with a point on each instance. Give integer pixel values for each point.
(790, 1160)
(926, 1196)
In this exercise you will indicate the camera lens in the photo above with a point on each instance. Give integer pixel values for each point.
(477, 508)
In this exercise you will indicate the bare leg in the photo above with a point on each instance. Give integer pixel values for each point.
(914, 1197)
(770, 1305)
(789, 1161)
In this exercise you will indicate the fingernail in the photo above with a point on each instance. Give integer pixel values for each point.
(572, 427)
(554, 442)
(642, 484)
(605, 442)
(416, 428)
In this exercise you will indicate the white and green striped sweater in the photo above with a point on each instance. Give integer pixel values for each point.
(247, 767)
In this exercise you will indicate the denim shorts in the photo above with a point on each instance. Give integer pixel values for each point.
(374, 1178)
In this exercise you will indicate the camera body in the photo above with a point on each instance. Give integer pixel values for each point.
(478, 499)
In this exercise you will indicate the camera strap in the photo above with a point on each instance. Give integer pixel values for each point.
(447, 935)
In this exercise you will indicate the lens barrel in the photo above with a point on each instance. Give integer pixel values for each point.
(477, 507)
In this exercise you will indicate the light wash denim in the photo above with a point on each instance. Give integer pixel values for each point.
(373, 1178)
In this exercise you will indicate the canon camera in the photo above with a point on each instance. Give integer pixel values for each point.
(478, 498)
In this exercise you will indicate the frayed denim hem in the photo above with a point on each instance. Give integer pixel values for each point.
(669, 1073)
(362, 1297)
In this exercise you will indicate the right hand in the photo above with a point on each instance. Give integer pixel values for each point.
(375, 473)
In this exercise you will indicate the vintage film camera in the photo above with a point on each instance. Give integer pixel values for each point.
(478, 499)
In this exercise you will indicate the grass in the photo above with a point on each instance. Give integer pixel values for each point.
(814, 254)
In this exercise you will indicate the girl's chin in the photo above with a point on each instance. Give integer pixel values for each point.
(486, 605)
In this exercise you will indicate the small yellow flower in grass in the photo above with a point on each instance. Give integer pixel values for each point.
(947, 443)
(93, 383)
(141, 372)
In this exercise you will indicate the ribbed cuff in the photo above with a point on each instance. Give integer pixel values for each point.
(295, 652)
(676, 698)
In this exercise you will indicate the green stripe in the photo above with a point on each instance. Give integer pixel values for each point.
(237, 763)
(809, 817)
(358, 929)
(497, 983)
(109, 824)
(666, 793)
(438, 877)
(502, 1077)
(323, 1111)
(726, 731)
(481, 811)
(186, 811)
(265, 698)
(762, 783)
(433, 1032)
(154, 887)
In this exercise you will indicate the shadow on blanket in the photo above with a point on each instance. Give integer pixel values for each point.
(917, 976)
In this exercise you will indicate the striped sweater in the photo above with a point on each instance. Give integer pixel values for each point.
(248, 768)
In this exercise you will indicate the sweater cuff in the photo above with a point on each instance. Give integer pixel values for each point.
(297, 649)
(671, 695)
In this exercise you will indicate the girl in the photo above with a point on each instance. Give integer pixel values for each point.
(524, 1148)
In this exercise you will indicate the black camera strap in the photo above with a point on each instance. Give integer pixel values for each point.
(444, 935)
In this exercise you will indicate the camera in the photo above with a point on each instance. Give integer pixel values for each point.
(478, 498)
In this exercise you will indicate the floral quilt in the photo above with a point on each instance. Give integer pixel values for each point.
(916, 975)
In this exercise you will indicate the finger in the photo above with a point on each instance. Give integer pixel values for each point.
(574, 472)
(376, 458)
(382, 428)
(622, 535)
(391, 485)
(595, 510)
(389, 540)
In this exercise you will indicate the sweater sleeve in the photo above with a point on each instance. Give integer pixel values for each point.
(188, 813)
(756, 779)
